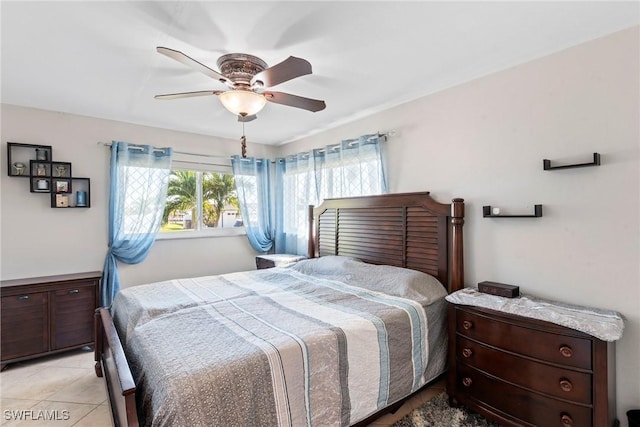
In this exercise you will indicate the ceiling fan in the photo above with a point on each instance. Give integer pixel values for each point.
(247, 76)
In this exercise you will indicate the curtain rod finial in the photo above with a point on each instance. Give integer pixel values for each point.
(389, 133)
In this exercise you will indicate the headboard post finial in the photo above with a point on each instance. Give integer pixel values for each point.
(310, 245)
(457, 263)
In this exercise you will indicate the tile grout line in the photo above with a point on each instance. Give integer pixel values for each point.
(74, 366)
(88, 413)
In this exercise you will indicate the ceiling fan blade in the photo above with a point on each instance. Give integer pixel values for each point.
(288, 69)
(295, 101)
(190, 62)
(187, 94)
(245, 119)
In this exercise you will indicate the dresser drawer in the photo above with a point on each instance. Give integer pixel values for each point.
(558, 382)
(513, 401)
(25, 328)
(72, 317)
(552, 347)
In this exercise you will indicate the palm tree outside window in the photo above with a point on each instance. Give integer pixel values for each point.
(200, 201)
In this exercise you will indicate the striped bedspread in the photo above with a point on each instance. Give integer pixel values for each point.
(274, 347)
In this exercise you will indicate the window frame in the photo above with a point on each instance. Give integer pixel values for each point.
(200, 231)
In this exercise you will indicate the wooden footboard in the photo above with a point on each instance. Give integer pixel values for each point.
(112, 364)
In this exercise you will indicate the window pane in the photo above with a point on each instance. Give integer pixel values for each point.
(139, 191)
(249, 184)
(181, 208)
(200, 200)
(220, 206)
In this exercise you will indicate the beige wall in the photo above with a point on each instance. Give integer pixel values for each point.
(485, 141)
(38, 240)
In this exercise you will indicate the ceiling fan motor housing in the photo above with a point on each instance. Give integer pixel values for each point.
(240, 67)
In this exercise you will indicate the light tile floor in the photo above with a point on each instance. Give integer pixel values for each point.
(65, 387)
(59, 391)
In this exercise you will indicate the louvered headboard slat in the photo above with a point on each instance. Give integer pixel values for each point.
(408, 230)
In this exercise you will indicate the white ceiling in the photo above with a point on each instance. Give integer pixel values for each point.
(98, 59)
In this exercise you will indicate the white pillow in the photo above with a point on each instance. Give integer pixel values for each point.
(396, 281)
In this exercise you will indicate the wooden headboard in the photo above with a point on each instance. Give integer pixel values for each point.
(409, 230)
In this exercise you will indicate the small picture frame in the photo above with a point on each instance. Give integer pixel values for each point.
(62, 201)
(62, 186)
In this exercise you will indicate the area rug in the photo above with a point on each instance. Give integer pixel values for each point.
(437, 413)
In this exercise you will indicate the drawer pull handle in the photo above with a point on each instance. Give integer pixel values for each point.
(467, 352)
(23, 297)
(74, 291)
(566, 351)
(566, 420)
(566, 385)
(466, 381)
(467, 325)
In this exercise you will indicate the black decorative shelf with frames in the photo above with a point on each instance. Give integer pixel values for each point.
(47, 176)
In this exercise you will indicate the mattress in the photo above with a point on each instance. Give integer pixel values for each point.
(325, 341)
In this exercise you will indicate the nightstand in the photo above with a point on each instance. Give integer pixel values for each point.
(519, 371)
(277, 260)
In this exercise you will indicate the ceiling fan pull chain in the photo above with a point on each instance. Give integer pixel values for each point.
(243, 143)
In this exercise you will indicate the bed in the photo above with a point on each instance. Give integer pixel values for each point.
(337, 339)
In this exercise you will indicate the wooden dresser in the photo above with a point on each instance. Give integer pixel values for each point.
(45, 315)
(519, 371)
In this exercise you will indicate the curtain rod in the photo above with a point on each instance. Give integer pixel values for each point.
(384, 135)
(353, 141)
(213, 156)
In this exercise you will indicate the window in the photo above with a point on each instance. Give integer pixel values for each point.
(351, 168)
(200, 202)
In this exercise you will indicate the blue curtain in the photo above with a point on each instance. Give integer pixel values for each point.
(139, 180)
(253, 187)
(296, 189)
(352, 168)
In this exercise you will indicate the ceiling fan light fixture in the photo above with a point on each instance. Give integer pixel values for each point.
(242, 102)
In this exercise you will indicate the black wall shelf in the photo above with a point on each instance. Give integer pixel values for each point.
(19, 155)
(537, 212)
(546, 164)
(66, 194)
(47, 176)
